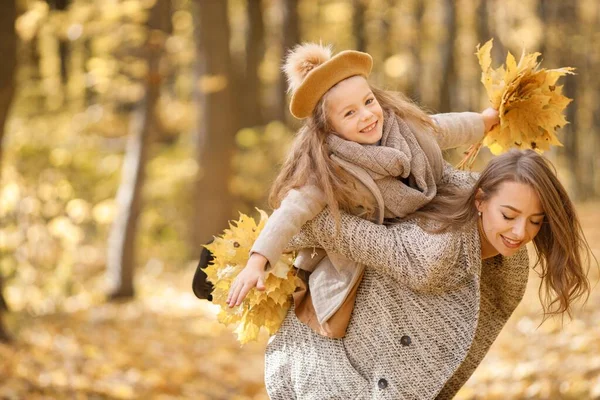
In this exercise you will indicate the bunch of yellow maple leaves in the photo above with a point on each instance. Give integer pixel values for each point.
(260, 308)
(529, 103)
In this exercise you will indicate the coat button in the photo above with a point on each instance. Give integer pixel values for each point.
(405, 340)
(382, 383)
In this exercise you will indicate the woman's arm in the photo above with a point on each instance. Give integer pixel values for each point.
(403, 251)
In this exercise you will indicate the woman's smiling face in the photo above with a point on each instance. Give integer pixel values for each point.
(353, 111)
(510, 218)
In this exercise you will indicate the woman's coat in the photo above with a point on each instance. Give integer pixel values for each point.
(426, 312)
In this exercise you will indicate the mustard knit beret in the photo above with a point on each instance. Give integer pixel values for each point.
(311, 72)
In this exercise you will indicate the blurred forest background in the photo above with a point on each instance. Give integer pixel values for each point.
(133, 130)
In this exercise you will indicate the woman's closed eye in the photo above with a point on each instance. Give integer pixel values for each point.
(506, 217)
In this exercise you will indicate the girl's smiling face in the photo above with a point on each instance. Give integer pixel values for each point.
(353, 111)
(510, 219)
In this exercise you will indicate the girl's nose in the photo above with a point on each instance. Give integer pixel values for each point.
(366, 114)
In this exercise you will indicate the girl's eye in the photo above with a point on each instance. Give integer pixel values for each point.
(507, 218)
(369, 101)
(348, 113)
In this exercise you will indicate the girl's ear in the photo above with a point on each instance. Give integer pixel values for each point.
(479, 198)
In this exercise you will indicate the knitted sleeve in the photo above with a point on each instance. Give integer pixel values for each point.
(404, 251)
(458, 129)
(462, 179)
(299, 206)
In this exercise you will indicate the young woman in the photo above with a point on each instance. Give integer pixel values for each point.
(437, 288)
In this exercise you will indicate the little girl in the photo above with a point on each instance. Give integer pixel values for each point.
(363, 150)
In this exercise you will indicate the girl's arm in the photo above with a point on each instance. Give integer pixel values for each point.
(465, 128)
(298, 207)
(404, 251)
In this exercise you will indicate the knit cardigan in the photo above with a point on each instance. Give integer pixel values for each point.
(427, 311)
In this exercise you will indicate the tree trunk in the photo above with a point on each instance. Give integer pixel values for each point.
(499, 50)
(449, 76)
(290, 37)
(483, 31)
(594, 88)
(560, 24)
(216, 122)
(8, 49)
(543, 14)
(583, 23)
(569, 32)
(414, 88)
(251, 112)
(121, 243)
(4, 335)
(358, 24)
(63, 49)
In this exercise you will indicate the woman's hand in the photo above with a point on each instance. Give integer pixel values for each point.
(491, 118)
(253, 275)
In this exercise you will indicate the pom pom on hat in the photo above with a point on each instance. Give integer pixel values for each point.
(301, 60)
(311, 71)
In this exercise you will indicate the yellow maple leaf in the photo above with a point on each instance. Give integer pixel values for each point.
(259, 309)
(529, 103)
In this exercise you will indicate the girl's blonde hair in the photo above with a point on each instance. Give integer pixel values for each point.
(563, 253)
(308, 162)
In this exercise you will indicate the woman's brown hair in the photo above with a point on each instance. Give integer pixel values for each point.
(563, 253)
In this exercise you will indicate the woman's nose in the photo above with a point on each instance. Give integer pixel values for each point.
(519, 230)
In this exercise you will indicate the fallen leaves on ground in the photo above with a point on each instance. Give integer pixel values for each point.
(166, 344)
(169, 345)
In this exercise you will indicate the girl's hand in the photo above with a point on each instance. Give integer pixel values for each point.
(490, 118)
(253, 275)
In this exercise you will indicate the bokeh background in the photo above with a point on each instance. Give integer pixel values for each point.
(133, 130)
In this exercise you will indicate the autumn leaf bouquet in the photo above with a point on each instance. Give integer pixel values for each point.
(528, 100)
(266, 308)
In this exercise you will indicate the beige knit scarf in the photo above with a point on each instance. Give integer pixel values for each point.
(399, 166)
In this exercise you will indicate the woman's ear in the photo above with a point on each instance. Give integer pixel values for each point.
(479, 198)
